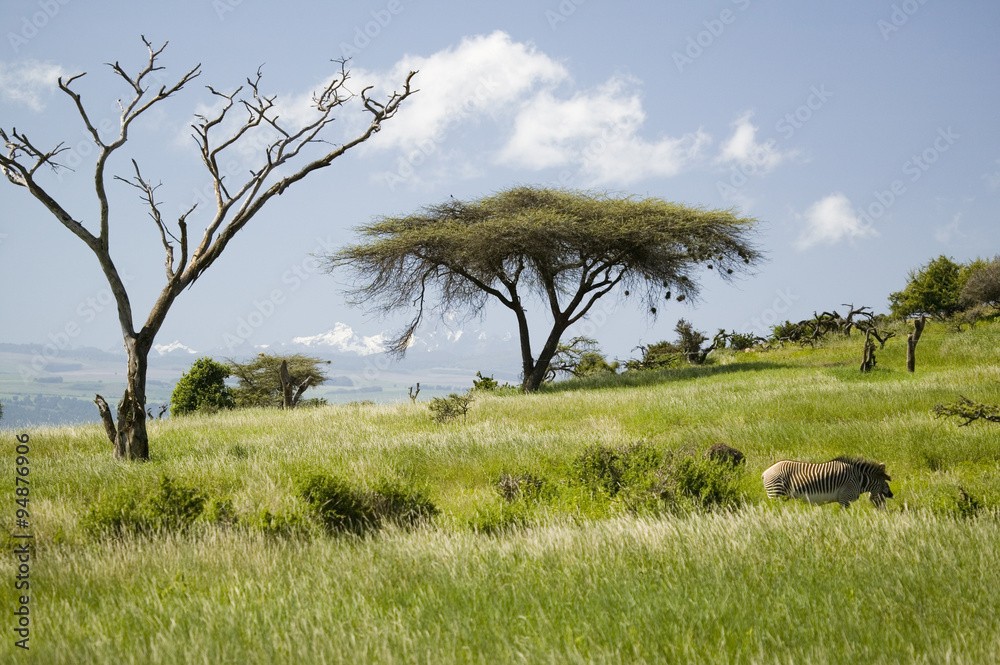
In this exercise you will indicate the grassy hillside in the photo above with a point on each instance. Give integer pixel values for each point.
(570, 567)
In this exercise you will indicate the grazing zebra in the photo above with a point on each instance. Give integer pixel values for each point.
(841, 480)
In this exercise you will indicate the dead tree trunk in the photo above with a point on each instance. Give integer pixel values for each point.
(129, 438)
(868, 355)
(911, 343)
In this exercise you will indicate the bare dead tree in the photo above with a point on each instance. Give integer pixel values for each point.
(236, 203)
(911, 343)
(868, 354)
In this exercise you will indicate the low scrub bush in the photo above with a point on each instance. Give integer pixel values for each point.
(444, 409)
(170, 507)
(279, 526)
(502, 517)
(957, 502)
(342, 508)
(520, 487)
(706, 483)
(611, 469)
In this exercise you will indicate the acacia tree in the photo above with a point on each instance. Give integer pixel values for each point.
(270, 380)
(566, 248)
(284, 159)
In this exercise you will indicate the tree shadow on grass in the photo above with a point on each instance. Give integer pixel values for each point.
(657, 377)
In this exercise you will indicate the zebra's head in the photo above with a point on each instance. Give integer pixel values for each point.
(879, 486)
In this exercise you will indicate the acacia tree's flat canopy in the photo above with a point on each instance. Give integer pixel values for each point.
(568, 248)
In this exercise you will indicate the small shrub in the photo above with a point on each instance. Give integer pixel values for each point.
(744, 341)
(611, 469)
(499, 518)
(174, 507)
(655, 356)
(171, 507)
(485, 383)
(336, 505)
(959, 503)
(703, 483)
(400, 505)
(967, 505)
(519, 487)
(221, 512)
(722, 453)
(279, 526)
(340, 507)
(445, 409)
(115, 514)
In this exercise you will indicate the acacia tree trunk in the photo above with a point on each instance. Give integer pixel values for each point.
(535, 375)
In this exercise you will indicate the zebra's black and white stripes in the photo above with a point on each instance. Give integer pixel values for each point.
(842, 480)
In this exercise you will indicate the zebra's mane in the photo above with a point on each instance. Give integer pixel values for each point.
(866, 464)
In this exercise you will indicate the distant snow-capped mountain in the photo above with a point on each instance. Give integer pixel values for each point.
(172, 347)
(343, 339)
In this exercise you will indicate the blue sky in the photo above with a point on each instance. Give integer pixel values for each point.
(863, 136)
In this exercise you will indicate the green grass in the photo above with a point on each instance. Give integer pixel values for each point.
(569, 574)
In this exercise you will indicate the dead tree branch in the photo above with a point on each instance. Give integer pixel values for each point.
(969, 410)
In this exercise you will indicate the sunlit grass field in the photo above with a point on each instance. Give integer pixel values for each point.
(574, 576)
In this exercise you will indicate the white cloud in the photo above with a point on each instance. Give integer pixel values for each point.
(830, 220)
(950, 231)
(597, 131)
(482, 76)
(28, 82)
(743, 150)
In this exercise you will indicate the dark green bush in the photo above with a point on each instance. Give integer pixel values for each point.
(699, 482)
(170, 507)
(280, 525)
(485, 383)
(444, 409)
(343, 508)
(202, 388)
(336, 505)
(400, 505)
(611, 469)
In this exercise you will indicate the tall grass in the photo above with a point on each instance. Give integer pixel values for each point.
(757, 586)
(571, 575)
